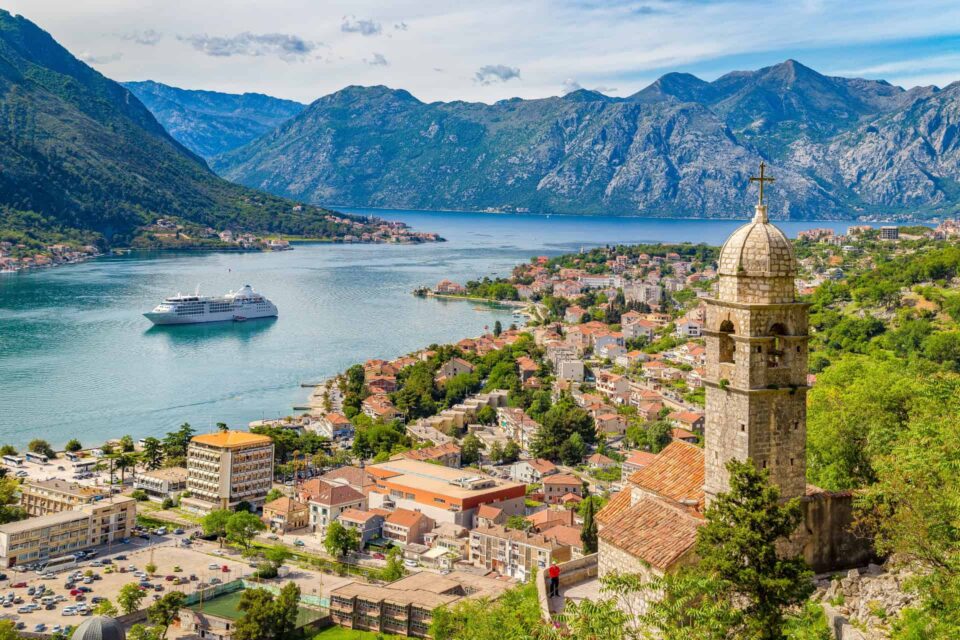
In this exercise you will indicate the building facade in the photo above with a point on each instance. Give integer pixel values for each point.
(159, 484)
(227, 468)
(43, 497)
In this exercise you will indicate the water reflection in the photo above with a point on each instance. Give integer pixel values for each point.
(207, 332)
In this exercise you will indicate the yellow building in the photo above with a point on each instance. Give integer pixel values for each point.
(227, 468)
(42, 497)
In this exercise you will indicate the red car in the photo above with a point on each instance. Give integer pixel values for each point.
(19, 585)
(75, 592)
(170, 578)
(225, 569)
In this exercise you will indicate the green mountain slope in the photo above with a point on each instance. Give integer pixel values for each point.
(82, 152)
(209, 122)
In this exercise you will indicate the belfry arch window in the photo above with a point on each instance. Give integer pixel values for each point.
(727, 346)
(775, 354)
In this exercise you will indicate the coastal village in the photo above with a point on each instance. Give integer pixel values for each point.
(576, 438)
(169, 233)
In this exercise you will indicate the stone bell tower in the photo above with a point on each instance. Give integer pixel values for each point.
(756, 373)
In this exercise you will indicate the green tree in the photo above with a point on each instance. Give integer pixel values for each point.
(139, 495)
(242, 527)
(215, 523)
(258, 621)
(152, 453)
(497, 328)
(739, 542)
(274, 494)
(573, 450)
(486, 415)
(470, 450)
(38, 445)
(8, 631)
(10, 509)
(129, 598)
(340, 540)
(222, 426)
(276, 555)
(394, 569)
(164, 611)
(511, 452)
(150, 568)
(285, 609)
(143, 632)
(126, 443)
(588, 532)
(73, 445)
(515, 614)
(8, 450)
(105, 608)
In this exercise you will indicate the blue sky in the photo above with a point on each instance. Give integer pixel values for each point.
(488, 50)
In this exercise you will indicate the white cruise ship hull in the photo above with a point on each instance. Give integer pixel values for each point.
(239, 306)
(167, 317)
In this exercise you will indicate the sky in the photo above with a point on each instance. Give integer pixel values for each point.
(489, 50)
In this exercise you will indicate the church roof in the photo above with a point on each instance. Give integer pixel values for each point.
(99, 628)
(758, 248)
(676, 473)
(618, 504)
(654, 531)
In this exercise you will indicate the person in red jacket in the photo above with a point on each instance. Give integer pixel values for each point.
(554, 573)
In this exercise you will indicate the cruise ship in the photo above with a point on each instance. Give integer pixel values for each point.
(235, 306)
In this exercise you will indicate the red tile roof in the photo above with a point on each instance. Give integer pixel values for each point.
(564, 534)
(405, 518)
(654, 531)
(562, 478)
(676, 473)
(618, 504)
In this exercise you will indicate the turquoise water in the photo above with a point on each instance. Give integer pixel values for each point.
(78, 360)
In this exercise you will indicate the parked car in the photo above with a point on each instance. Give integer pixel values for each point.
(213, 566)
(225, 569)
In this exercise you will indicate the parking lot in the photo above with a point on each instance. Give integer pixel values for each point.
(108, 580)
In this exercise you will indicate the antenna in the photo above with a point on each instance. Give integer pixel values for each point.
(197, 290)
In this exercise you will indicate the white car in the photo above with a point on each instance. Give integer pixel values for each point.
(213, 566)
(69, 611)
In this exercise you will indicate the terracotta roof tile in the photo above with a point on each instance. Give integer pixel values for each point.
(676, 473)
(618, 504)
(654, 531)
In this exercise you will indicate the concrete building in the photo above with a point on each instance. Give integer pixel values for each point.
(441, 493)
(227, 468)
(159, 484)
(406, 607)
(42, 497)
(512, 552)
(532, 471)
(58, 534)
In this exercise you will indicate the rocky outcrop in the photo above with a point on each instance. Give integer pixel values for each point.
(860, 604)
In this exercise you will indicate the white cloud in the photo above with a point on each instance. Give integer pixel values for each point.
(378, 60)
(490, 73)
(282, 45)
(147, 37)
(90, 58)
(363, 27)
(569, 86)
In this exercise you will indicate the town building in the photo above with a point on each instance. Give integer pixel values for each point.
(406, 527)
(159, 484)
(889, 233)
(532, 471)
(285, 514)
(513, 552)
(227, 468)
(368, 524)
(335, 426)
(63, 533)
(42, 497)
(406, 607)
(446, 454)
(328, 500)
(556, 487)
(441, 493)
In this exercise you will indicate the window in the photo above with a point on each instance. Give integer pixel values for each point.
(727, 345)
(775, 356)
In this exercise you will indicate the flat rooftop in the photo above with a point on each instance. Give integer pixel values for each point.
(231, 439)
(66, 487)
(51, 519)
(435, 478)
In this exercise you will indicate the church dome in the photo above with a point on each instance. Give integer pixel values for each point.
(99, 628)
(759, 249)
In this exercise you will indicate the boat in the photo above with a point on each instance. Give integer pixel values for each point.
(235, 306)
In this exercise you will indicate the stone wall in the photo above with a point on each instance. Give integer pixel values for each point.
(829, 543)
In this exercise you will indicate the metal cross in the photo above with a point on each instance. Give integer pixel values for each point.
(761, 180)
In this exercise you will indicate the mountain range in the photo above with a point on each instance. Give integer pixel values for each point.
(838, 148)
(82, 158)
(208, 122)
